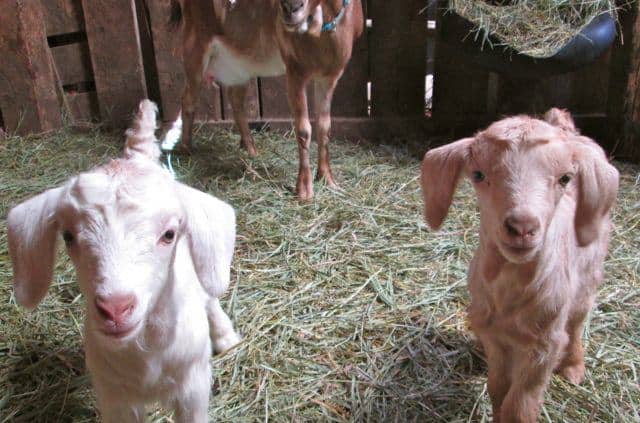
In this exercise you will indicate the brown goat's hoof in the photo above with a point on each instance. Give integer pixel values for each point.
(249, 147)
(327, 177)
(182, 150)
(304, 192)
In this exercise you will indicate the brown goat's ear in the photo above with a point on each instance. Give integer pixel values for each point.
(441, 168)
(597, 182)
(562, 119)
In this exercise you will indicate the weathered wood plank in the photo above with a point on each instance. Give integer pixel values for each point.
(460, 88)
(28, 96)
(629, 136)
(273, 97)
(63, 16)
(399, 59)
(84, 106)
(73, 62)
(350, 97)
(168, 56)
(112, 33)
(252, 102)
(590, 87)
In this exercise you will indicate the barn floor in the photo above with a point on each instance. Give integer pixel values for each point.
(351, 310)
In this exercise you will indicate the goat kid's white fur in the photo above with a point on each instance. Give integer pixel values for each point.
(133, 230)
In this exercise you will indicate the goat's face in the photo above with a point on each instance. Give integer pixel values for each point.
(120, 230)
(122, 223)
(521, 167)
(295, 14)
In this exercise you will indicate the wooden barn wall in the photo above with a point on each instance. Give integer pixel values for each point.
(96, 60)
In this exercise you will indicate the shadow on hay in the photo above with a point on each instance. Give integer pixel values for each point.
(439, 375)
(47, 383)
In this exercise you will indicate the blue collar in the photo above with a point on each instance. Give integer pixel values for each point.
(331, 26)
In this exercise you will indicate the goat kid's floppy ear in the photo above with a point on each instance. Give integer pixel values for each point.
(441, 168)
(32, 246)
(597, 190)
(211, 231)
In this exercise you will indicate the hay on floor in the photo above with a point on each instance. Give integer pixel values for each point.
(532, 27)
(350, 309)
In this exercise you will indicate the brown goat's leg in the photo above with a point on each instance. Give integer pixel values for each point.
(193, 66)
(323, 95)
(296, 92)
(572, 365)
(238, 94)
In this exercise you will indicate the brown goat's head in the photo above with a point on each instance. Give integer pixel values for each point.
(300, 15)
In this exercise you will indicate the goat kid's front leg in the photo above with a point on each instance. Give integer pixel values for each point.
(193, 403)
(323, 95)
(238, 95)
(499, 380)
(572, 365)
(223, 336)
(524, 399)
(296, 92)
(117, 412)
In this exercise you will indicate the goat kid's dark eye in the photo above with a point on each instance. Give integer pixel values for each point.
(168, 236)
(67, 236)
(477, 176)
(564, 180)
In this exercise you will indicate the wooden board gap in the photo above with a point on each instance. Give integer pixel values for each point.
(68, 38)
(80, 87)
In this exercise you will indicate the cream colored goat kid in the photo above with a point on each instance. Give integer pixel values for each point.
(545, 194)
(152, 256)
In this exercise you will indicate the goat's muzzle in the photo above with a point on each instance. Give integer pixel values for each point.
(114, 312)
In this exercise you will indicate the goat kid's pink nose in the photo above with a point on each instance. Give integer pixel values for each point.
(521, 226)
(115, 307)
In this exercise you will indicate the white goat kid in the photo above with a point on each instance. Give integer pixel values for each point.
(152, 257)
(545, 194)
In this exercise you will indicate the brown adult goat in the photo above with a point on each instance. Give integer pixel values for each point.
(232, 41)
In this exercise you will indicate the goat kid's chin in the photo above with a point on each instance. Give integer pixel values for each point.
(119, 333)
(519, 252)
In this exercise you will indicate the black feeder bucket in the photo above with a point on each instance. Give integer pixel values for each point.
(584, 48)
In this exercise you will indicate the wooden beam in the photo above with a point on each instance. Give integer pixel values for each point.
(28, 98)
(629, 140)
(116, 57)
(398, 58)
(63, 16)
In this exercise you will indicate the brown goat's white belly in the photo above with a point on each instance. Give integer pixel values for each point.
(228, 67)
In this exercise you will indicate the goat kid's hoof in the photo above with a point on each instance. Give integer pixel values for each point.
(574, 374)
(225, 343)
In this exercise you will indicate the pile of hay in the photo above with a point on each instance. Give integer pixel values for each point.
(538, 28)
(350, 309)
